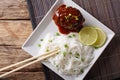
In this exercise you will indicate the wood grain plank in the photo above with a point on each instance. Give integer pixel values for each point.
(25, 76)
(14, 32)
(13, 9)
(12, 36)
(8, 60)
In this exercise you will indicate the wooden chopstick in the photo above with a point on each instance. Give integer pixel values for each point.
(27, 60)
(38, 58)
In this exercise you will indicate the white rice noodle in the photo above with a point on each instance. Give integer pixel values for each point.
(73, 57)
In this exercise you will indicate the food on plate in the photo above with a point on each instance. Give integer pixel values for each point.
(73, 57)
(101, 38)
(76, 49)
(68, 19)
(88, 35)
(92, 36)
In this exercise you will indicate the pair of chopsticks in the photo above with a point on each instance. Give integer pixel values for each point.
(27, 61)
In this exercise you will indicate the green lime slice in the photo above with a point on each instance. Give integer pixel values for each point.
(101, 38)
(88, 35)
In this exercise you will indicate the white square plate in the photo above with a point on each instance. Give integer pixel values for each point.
(47, 25)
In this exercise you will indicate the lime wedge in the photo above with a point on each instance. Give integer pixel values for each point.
(101, 38)
(88, 35)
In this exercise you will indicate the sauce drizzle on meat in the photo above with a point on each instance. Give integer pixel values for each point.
(68, 19)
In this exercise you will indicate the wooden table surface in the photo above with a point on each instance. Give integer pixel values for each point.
(15, 27)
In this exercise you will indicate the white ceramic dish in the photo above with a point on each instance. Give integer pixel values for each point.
(48, 25)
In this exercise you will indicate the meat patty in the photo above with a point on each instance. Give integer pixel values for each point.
(69, 18)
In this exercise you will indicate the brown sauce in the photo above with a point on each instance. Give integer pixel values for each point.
(68, 19)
